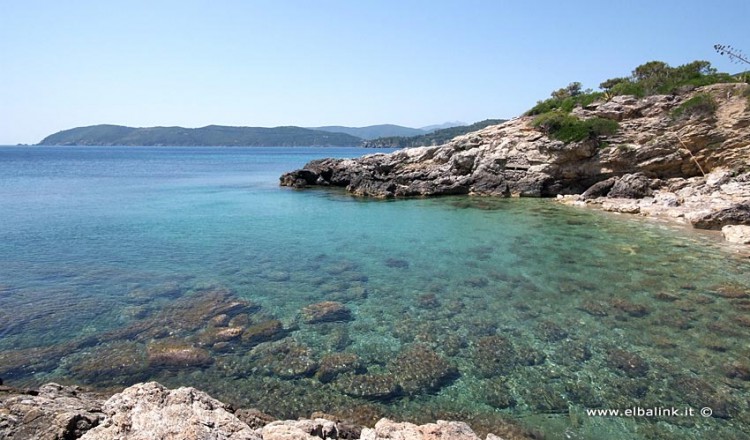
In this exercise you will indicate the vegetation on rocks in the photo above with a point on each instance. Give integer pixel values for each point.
(651, 78)
(699, 105)
(569, 128)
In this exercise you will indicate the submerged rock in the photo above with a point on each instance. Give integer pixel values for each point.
(326, 311)
(420, 370)
(334, 364)
(494, 355)
(630, 363)
(266, 331)
(285, 359)
(177, 353)
(369, 386)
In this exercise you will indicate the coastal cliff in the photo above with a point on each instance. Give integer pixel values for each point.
(669, 155)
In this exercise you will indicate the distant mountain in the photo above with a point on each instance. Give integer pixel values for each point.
(373, 131)
(431, 128)
(437, 137)
(106, 135)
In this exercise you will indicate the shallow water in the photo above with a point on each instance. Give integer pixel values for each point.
(498, 312)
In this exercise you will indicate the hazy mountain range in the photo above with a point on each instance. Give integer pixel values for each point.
(216, 135)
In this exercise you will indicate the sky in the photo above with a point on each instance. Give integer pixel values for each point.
(66, 64)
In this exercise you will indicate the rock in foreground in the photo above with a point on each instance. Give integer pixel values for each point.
(150, 411)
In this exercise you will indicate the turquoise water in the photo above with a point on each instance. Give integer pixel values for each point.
(514, 315)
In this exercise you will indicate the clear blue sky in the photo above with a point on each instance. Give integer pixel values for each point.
(273, 62)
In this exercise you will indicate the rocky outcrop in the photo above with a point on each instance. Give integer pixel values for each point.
(53, 412)
(150, 411)
(654, 158)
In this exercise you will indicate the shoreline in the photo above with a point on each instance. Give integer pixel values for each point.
(150, 411)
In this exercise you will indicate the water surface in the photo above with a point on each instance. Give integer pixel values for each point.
(509, 314)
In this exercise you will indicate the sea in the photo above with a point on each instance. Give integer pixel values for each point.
(523, 317)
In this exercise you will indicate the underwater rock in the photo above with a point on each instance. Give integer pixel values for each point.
(266, 331)
(699, 393)
(630, 363)
(550, 331)
(546, 399)
(334, 364)
(116, 362)
(428, 301)
(326, 311)
(737, 370)
(593, 308)
(731, 291)
(477, 282)
(494, 355)
(215, 335)
(397, 263)
(496, 393)
(150, 411)
(419, 370)
(631, 308)
(369, 386)
(285, 359)
(177, 353)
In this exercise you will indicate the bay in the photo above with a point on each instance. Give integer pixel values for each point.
(500, 312)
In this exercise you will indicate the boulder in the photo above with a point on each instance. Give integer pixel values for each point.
(388, 429)
(736, 233)
(737, 214)
(150, 411)
(631, 186)
(53, 412)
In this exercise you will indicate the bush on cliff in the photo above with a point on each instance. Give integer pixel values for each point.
(568, 128)
(699, 105)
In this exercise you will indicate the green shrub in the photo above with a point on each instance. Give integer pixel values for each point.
(566, 105)
(568, 128)
(699, 105)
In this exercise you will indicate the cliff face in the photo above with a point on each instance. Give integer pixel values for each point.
(656, 148)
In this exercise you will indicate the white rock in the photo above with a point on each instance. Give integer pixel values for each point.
(736, 234)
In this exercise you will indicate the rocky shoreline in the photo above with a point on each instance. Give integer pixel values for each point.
(149, 411)
(694, 168)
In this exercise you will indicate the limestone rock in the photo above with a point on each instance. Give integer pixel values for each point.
(736, 234)
(442, 430)
(150, 411)
(631, 186)
(738, 214)
(53, 412)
